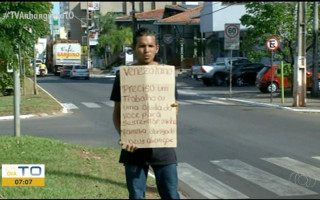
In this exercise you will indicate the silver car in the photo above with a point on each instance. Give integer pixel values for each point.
(80, 71)
(65, 71)
(115, 70)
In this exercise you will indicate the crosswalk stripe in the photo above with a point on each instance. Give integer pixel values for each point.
(91, 105)
(183, 103)
(197, 102)
(316, 157)
(206, 185)
(218, 102)
(262, 178)
(109, 103)
(69, 106)
(298, 167)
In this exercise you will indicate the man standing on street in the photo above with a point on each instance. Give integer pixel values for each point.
(137, 161)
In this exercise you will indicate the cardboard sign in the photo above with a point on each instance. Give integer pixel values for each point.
(147, 118)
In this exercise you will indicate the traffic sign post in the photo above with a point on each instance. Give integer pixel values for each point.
(272, 45)
(231, 36)
(231, 42)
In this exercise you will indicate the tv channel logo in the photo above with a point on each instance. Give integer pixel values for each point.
(23, 175)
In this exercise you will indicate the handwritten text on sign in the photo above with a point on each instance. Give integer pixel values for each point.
(147, 118)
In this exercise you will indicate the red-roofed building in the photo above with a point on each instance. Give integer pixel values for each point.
(172, 23)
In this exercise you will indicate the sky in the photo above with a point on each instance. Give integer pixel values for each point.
(56, 9)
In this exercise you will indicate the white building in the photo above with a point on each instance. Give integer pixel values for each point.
(213, 18)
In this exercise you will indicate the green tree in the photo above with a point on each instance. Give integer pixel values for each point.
(266, 19)
(112, 35)
(14, 26)
(16, 21)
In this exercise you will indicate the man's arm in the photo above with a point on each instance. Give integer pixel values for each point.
(117, 115)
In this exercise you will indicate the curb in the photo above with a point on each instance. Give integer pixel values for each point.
(9, 117)
(251, 102)
(64, 109)
(274, 105)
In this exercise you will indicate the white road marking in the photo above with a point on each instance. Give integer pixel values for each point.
(262, 178)
(198, 102)
(205, 184)
(296, 166)
(109, 103)
(218, 102)
(69, 106)
(91, 105)
(316, 157)
(183, 103)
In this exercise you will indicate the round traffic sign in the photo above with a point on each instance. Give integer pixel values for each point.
(232, 31)
(272, 43)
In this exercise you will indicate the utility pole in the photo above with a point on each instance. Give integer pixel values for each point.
(88, 38)
(35, 91)
(299, 86)
(315, 84)
(133, 18)
(16, 101)
(181, 42)
(133, 26)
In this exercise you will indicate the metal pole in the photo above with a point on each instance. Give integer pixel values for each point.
(202, 49)
(282, 83)
(230, 76)
(271, 83)
(16, 101)
(35, 90)
(315, 82)
(133, 18)
(88, 39)
(299, 87)
(181, 53)
(133, 25)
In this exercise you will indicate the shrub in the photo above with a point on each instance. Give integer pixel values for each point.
(6, 83)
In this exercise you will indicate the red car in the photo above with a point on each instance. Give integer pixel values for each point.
(263, 79)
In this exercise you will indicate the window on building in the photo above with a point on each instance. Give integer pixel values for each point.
(153, 5)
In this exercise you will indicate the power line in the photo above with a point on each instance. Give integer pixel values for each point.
(218, 10)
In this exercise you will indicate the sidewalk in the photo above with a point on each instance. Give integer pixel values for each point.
(251, 96)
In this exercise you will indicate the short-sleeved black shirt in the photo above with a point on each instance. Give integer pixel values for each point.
(149, 156)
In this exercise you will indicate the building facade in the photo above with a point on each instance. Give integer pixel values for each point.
(80, 26)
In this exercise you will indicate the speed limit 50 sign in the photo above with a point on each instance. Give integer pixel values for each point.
(231, 36)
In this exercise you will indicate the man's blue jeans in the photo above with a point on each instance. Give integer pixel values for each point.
(166, 180)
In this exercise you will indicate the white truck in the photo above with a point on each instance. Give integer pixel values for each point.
(63, 52)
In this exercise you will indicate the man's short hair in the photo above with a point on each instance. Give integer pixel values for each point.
(143, 32)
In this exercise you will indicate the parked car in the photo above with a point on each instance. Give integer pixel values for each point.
(115, 70)
(65, 71)
(244, 74)
(215, 73)
(80, 71)
(263, 79)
